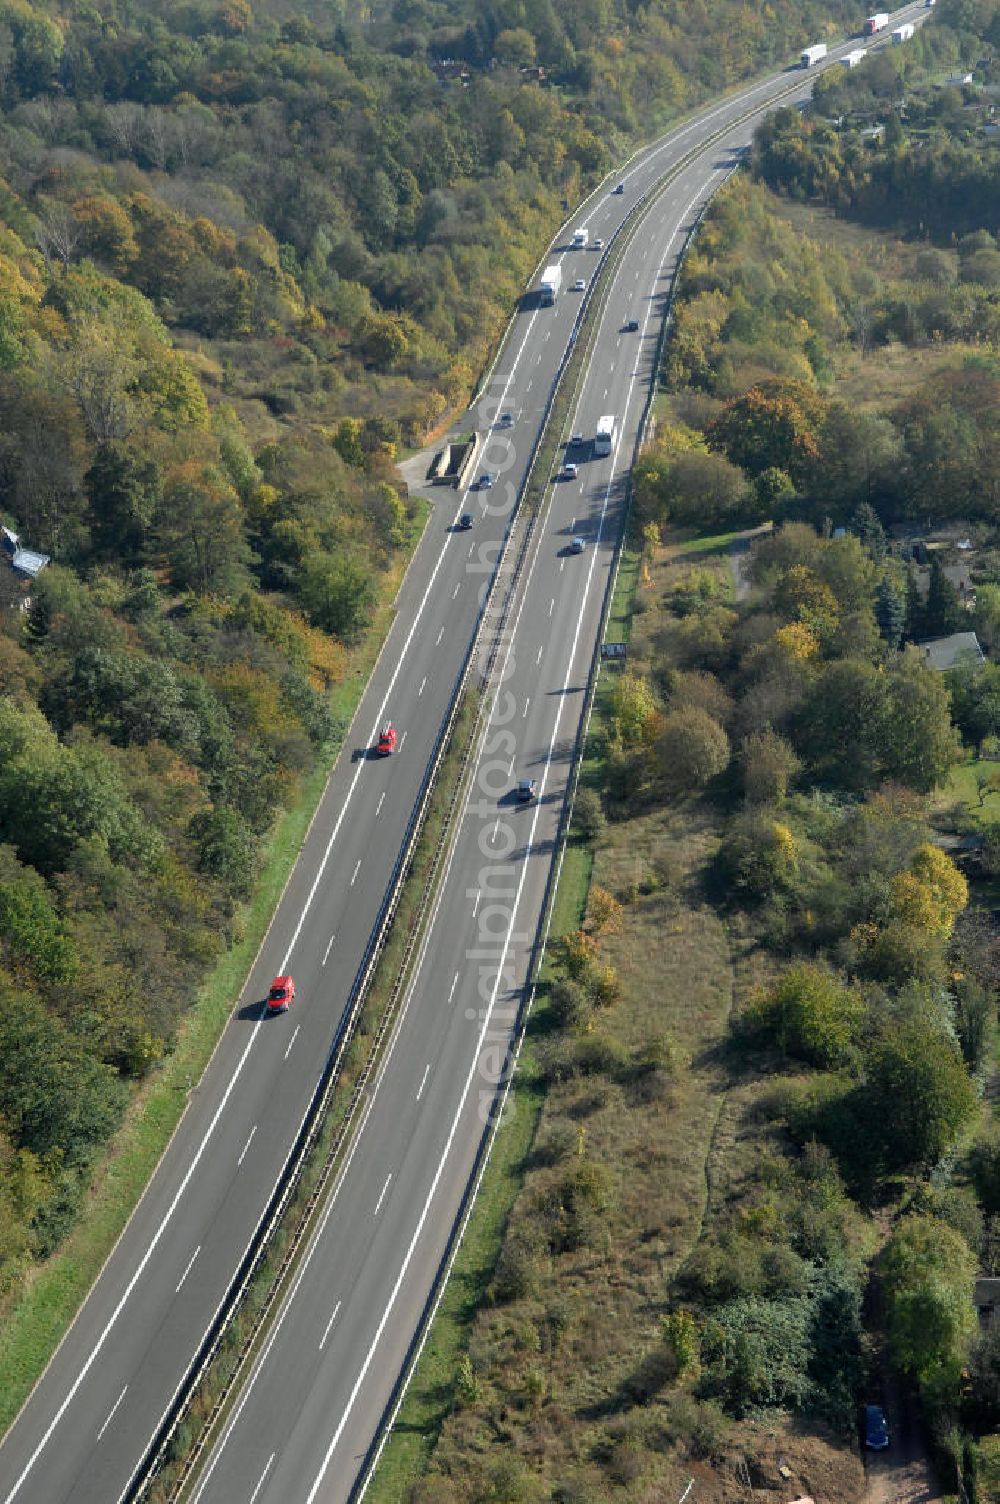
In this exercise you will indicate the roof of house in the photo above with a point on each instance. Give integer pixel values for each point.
(944, 652)
(27, 561)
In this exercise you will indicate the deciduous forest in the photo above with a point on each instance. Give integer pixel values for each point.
(246, 254)
(249, 254)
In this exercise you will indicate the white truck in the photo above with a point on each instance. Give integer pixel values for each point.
(548, 287)
(579, 241)
(876, 23)
(604, 438)
(852, 59)
(902, 33)
(813, 55)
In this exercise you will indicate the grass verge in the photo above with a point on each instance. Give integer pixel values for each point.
(36, 1319)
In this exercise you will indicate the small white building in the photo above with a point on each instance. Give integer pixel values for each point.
(25, 562)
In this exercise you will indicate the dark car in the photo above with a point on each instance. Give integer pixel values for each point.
(465, 522)
(485, 481)
(876, 1429)
(281, 995)
(506, 420)
(619, 189)
(631, 326)
(526, 790)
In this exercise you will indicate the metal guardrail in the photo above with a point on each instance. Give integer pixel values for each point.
(541, 934)
(319, 1105)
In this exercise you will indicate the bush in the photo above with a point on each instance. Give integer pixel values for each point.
(811, 1015)
(757, 1353)
(693, 749)
(699, 1426)
(757, 857)
(597, 1055)
(927, 1273)
(768, 764)
(588, 814)
(516, 1271)
(571, 1003)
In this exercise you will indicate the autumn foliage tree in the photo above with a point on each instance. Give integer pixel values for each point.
(773, 425)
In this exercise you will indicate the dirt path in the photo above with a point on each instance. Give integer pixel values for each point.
(902, 1475)
(739, 558)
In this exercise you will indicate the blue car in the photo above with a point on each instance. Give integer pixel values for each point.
(876, 1429)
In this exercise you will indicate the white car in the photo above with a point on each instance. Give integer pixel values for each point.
(577, 546)
(580, 284)
(570, 472)
(598, 245)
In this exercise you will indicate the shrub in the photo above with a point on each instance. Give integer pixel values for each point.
(757, 857)
(927, 1273)
(812, 1015)
(571, 1003)
(588, 814)
(693, 749)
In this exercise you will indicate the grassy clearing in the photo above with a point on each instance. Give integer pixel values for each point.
(552, 1365)
(36, 1318)
(980, 807)
(696, 548)
(619, 625)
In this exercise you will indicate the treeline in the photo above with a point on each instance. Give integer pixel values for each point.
(305, 183)
(764, 318)
(817, 733)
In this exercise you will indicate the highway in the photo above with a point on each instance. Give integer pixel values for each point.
(312, 1408)
(313, 1401)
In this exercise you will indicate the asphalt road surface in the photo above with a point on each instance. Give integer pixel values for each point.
(312, 1408)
